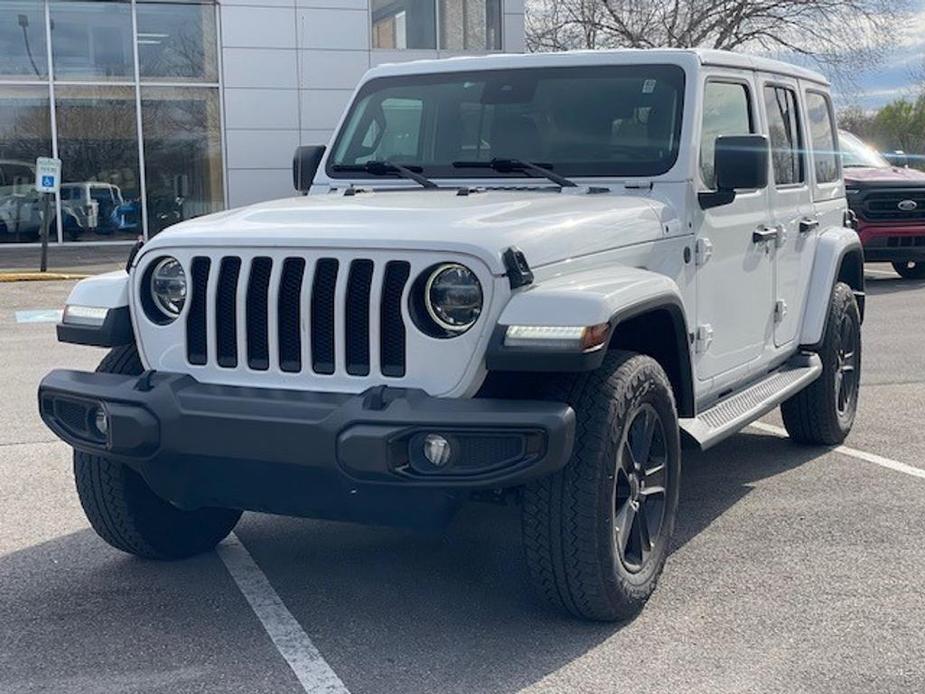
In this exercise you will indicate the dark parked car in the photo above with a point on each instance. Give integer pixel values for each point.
(889, 202)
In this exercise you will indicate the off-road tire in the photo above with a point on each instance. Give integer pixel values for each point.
(125, 512)
(568, 519)
(910, 270)
(812, 416)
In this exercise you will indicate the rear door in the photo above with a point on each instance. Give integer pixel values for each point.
(828, 187)
(790, 203)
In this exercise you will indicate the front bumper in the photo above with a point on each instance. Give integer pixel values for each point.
(327, 455)
(892, 242)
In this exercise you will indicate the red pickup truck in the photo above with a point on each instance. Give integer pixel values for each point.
(889, 202)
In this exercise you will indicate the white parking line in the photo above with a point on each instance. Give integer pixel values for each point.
(286, 633)
(854, 453)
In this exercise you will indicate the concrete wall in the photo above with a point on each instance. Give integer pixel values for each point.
(288, 69)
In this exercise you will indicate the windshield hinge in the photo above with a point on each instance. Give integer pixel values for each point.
(519, 273)
(638, 185)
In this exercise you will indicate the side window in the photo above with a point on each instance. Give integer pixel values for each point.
(822, 136)
(784, 132)
(726, 111)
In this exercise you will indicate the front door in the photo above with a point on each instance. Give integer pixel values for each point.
(735, 271)
(790, 201)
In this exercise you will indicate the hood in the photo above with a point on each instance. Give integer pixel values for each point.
(893, 176)
(548, 226)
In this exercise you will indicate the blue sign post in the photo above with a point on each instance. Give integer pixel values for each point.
(47, 182)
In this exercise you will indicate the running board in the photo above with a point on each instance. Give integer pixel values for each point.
(741, 409)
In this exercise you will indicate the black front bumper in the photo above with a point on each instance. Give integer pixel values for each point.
(325, 455)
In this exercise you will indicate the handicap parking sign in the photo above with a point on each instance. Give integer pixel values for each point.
(47, 175)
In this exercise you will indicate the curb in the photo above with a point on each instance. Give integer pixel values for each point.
(40, 276)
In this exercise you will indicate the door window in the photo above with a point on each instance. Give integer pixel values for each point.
(785, 136)
(822, 135)
(726, 111)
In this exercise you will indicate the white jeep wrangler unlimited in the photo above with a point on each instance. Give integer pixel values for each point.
(525, 277)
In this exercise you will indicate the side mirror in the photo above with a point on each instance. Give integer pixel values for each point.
(305, 165)
(898, 159)
(740, 163)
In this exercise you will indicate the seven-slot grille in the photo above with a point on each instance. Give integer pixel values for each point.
(299, 293)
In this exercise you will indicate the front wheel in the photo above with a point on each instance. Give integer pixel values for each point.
(129, 516)
(597, 533)
(910, 270)
(823, 412)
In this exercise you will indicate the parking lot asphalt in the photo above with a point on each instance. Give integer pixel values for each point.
(794, 569)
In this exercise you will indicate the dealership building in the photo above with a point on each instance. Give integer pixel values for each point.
(162, 111)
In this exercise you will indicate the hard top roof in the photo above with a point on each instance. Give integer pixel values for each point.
(686, 57)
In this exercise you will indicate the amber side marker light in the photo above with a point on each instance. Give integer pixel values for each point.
(558, 338)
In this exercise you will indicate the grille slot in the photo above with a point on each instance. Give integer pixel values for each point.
(226, 329)
(289, 313)
(391, 325)
(196, 341)
(322, 315)
(356, 320)
(314, 315)
(258, 340)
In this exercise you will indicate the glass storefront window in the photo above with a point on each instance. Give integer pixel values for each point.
(22, 40)
(470, 25)
(92, 41)
(25, 134)
(183, 154)
(177, 42)
(98, 148)
(404, 24)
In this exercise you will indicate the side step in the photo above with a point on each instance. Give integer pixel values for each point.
(740, 409)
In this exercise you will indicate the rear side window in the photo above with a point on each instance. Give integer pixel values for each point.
(784, 132)
(726, 111)
(822, 136)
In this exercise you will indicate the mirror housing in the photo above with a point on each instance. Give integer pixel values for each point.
(305, 165)
(740, 163)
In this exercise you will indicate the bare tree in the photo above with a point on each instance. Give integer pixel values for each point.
(840, 34)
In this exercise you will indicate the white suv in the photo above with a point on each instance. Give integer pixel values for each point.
(512, 276)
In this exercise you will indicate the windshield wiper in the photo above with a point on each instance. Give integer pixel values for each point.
(516, 165)
(378, 167)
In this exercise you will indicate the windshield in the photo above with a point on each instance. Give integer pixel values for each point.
(855, 153)
(578, 121)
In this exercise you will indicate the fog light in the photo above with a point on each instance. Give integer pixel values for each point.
(437, 450)
(101, 421)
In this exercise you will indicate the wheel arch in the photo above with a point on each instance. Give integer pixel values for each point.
(645, 312)
(839, 258)
(658, 328)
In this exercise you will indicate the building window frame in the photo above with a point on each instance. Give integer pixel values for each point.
(438, 35)
(136, 84)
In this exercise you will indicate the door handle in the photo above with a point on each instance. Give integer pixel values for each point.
(764, 234)
(808, 224)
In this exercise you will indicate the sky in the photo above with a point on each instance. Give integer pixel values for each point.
(893, 78)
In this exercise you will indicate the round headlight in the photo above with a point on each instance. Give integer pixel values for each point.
(168, 287)
(453, 297)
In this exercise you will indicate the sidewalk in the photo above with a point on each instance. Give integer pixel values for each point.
(65, 259)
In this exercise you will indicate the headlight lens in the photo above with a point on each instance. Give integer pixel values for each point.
(453, 297)
(168, 287)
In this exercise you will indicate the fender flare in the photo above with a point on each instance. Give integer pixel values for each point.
(591, 298)
(110, 291)
(839, 257)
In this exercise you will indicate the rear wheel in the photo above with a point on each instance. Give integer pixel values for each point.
(910, 270)
(823, 412)
(597, 533)
(129, 516)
